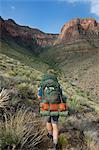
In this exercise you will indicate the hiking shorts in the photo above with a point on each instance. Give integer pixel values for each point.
(52, 119)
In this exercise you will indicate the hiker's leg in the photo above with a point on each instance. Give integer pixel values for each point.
(55, 133)
(49, 126)
(54, 120)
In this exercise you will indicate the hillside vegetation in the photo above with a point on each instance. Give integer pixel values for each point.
(79, 66)
(13, 50)
(25, 55)
(20, 74)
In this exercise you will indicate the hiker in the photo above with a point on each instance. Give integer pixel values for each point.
(48, 83)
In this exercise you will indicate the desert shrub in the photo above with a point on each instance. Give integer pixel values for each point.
(62, 141)
(22, 72)
(12, 73)
(5, 82)
(25, 91)
(3, 66)
(74, 105)
(21, 131)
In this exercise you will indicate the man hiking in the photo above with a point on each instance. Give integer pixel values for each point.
(49, 94)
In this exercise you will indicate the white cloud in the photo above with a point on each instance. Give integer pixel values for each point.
(94, 5)
(13, 7)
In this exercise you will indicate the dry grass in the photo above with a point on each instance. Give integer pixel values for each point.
(21, 131)
(4, 98)
(92, 145)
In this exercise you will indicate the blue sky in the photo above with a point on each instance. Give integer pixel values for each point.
(48, 15)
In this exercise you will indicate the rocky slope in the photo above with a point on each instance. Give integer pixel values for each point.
(77, 131)
(80, 30)
(21, 72)
(76, 52)
(24, 35)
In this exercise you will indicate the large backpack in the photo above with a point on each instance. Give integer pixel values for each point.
(51, 91)
(52, 103)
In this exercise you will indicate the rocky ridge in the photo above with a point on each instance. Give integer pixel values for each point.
(77, 30)
(24, 35)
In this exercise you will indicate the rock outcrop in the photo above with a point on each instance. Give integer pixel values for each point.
(78, 30)
(84, 32)
(33, 38)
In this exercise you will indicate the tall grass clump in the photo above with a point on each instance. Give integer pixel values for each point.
(74, 105)
(21, 131)
(62, 142)
(4, 98)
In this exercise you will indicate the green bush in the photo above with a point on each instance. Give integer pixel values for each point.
(74, 105)
(62, 141)
(12, 73)
(3, 66)
(25, 90)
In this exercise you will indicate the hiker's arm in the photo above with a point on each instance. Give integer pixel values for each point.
(39, 94)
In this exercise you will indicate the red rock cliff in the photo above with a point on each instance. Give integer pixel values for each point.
(78, 29)
(26, 35)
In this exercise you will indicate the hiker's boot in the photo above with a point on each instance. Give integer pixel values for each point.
(55, 146)
(50, 136)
